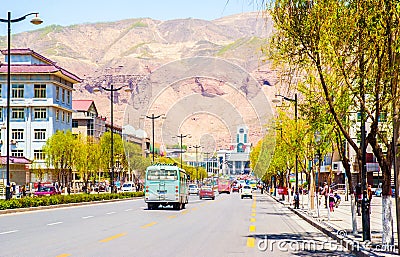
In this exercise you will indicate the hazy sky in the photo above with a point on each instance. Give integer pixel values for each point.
(70, 12)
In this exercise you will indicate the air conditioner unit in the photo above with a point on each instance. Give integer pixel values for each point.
(13, 142)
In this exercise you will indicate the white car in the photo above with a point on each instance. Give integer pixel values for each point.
(193, 189)
(246, 191)
(128, 187)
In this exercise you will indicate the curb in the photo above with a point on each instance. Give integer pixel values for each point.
(348, 244)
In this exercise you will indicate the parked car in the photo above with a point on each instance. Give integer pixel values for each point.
(46, 190)
(246, 192)
(128, 187)
(100, 187)
(235, 188)
(378, 192)
(206, 192)
(193, 189)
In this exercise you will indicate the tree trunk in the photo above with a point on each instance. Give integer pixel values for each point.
(353, 214)
(387, 220)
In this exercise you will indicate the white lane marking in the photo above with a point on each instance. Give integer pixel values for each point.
(87, 217)
(8, 232)
(128, 210)
(55, 223)
(108, 213)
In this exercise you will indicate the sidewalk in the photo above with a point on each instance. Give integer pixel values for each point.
(339, 225)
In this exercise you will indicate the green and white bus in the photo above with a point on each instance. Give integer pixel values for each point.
(165, 184)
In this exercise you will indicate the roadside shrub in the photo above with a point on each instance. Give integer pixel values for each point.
(29, 201)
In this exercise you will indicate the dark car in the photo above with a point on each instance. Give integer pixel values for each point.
(206, 192)
(47, 190)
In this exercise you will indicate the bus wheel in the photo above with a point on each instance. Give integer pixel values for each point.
(183, 206)
(149, 206)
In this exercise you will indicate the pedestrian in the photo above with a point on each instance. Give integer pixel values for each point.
(39, 186)
(262, 189)
(325, 192)
(331, 198)
(337, 199)
(296, 200)
(23, 189)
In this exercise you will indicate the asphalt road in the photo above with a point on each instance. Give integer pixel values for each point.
(227, 226)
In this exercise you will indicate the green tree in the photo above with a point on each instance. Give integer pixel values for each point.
(349, 51)
(60, 150)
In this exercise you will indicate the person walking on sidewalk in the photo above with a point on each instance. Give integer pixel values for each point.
(296, 200)
(325, 193)
(331, 198)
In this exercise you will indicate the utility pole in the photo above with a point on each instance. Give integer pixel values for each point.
(181, 136)
(152, 117)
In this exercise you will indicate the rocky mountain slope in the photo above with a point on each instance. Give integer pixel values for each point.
(128, 50)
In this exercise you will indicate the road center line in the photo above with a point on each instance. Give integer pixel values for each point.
(250, 242)
(112, 237)
(149, 225)
(87, 217)
(109, 213)
(64, 255)
(8, 232)
(55, 223)
(172, 216)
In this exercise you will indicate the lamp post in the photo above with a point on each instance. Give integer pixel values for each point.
(36, 21)
(197, 163)
(295, 119)
(207, 154)
(181, 136)
(152, 117)
(110, 88)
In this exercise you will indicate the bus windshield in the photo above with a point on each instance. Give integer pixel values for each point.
(162, 174)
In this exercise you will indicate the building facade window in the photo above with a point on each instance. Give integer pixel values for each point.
(68, 118)
(39, 134)
(57, 93)
(63, 95)
(90, 128)
(68, 97)
(1, 113)
(17, 91)
(40, 91)
(40, 113)
(17, 153)
(17, 134)
(57, 115)
(39, 155)
(63, 116)
(74, 123)
(17, 113)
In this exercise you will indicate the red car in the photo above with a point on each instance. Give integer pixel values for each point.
(47, 190)
(206, 192)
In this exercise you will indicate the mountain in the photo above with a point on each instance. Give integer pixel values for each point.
(128, 50)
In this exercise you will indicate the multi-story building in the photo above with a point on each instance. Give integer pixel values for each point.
(236, 160)
(86, 120)
(41, 104)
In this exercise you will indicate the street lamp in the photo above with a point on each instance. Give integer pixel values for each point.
(295, 118)
(110, 88)
(197, 163)
(181, 136)
(36, 21)
(152, 117)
